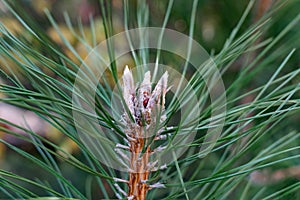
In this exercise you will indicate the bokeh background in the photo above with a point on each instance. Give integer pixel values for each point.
(215, 20)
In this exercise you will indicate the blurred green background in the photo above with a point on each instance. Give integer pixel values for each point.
(215, 21)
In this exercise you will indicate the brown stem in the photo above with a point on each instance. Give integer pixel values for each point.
(139, 169)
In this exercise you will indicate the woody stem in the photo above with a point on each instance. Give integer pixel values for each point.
(139, 169)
